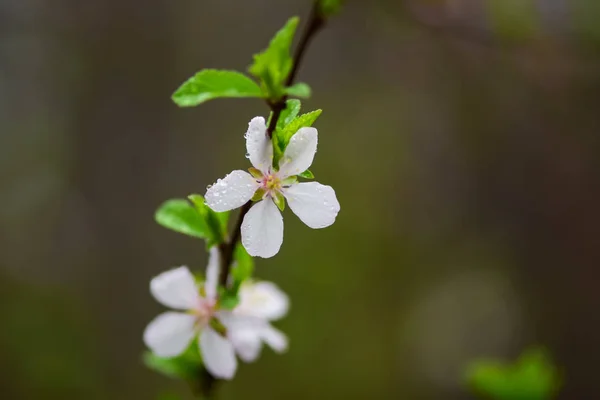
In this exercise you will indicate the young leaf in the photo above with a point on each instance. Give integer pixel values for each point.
(292, 108)
(216, 221)
(327, 8)
(179, 215)
(274, 64)
(302, 121)
(211, 84)
(244, 264)
(307, 174)
(298, 90)
(229, 300)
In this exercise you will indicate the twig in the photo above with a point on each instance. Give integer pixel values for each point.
(316, 22)
(227, 249)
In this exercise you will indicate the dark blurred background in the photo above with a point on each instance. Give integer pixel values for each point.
(461, 137)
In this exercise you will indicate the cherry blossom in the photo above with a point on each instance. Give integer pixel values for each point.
(170, 334)
(243, 329)
(262, 229)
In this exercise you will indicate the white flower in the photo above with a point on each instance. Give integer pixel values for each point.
(170, 334)
(262, 229)
(247, 326)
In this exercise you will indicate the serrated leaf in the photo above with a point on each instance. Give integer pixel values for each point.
(303, 121)
(292, 108)
(274, 64)
(187, 366)
(211, 84)
(180, 216)
(281, 137)
(307, 174)
(299, 90)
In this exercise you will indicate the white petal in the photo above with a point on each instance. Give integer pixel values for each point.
(212, 273)
(247, 344)
(275, 338)
(231, 192)
(258, 145)
(299, 153)
(315, 204)
(262, 229)
(244, 332)
(263, 300)
(169, 334)
(218, 354)
(175, 288)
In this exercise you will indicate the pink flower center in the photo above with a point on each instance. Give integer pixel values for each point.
(204, 311)
(271, 182)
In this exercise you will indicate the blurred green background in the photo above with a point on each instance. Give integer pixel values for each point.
(461, 137)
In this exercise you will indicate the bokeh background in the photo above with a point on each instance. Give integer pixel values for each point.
(461, 137)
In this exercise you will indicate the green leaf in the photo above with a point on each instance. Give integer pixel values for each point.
(229, 300)
(244, 264)
(307, 174)
(303, 121)
(274, 64)
(292, 108)
(187, 366)
(211, 84)
(531, 377)
(179, 215)
(327, 8)
(216, 221)
(281, 137)
(298, 90)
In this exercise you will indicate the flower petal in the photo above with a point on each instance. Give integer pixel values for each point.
(175, 288)
(263, 300)
(274, 338)
(218, 354)
(299, 153)
(231, 192)
(247, 344)
(315, 204)
(212, 273)
(169, 334)
(262, 229)
(258, 145)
